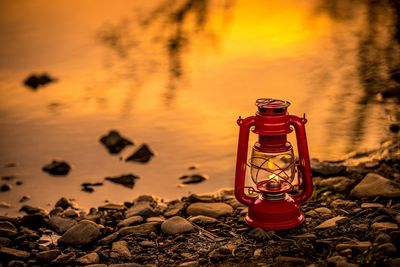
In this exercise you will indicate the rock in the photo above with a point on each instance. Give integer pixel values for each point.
(13, 253)
(121, 247)
(371, 205)
(323, 210)
(174, 209)
(4, 204)
(5, 187)
(395, 262)
(359, 246)
(63, 203)
(227, 249)
(203, 220)
(85, 232)
(91, 258)
(384, 226)
(24, 199)
(108, 239)
(98, 265)
(290, 261)
(339, 261)
(48, 256)
(201, 198)
(147, 244)
(142, 155)
(394, 127)
(257, 253)
(338, 184)
(375, 185)
(215, 210)
(112, 207)
(341, 203)
(324, 168)
(307, 236)
(141, 229)
(127, 180)
(57, 168)
(33, 220)
(261, 235)
(64, 258)
(4, 241)
(114, 142)
(176, 225)
(158, 219)
(34, 81)
(7, 229)
(70, 213)
(143, 209)
(387, 249)
(382, 238)
(32, 210)
(193, 178)
(330, 223)
(189, 264)
(60, 224)
(130, 221)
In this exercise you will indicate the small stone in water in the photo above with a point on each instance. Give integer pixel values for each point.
(127, 180)
(35, 81)
(5, 187)
(57, 168)
(114, 142)
(143, 155)
(193, 179)
(24, 199)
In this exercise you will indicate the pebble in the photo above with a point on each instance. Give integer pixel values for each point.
(330, 223)
(338, 184)
(371, 205)
(359, 246)
(64, 258)
(387, 249)
(127, 180)
(174, 209)
(341, 203)
(290, 261)
(203, 220)
(112, 207)
(114, 142)
(157, 219)
(147, 244)
(227, 249)
(323, 210)
(307, 236)
(215, 210)
(375, 185)
(4, 204)
(48, 256)
(4, 241)
(257, 253)
(121, 247)
(34, 81)
(382, 238)
(83, 233)
(60, 224)
(130, 221)
(142, 208)
(339, 261)
(15, 253)
(143, 154)
(5, 187)
(193, 178)
(176, 225)
(189, 264)
(57, 168)
(395, 262)
(141, 229)
(384, 226)
(108, 239)
(90, 258)
(24, 199)
(7, 229)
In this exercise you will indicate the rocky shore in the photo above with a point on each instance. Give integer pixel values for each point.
(352, 219)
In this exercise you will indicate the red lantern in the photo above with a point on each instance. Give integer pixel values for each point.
(276, 173)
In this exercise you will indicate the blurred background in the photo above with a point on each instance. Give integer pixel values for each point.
(176, 74)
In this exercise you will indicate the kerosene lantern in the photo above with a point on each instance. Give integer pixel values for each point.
(281, 181)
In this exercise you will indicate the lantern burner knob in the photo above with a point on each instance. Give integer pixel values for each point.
(270, 106)
(273, 185)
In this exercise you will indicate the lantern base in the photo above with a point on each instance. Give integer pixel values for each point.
(274, 214)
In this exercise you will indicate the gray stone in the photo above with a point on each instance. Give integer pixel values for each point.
(85, 232)
(176, 225)
(130, 221)
(384, 226)
(203, 220)
(48, 256)
(143, 209)
(215, 210)
(330, 223)
(375, 185)
(60, 224)
(141, 229)
(14, 253)
(91, 258)
(338, 184)
(7, 229)
(121, 247)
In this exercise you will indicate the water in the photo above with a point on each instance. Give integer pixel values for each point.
(176, 75)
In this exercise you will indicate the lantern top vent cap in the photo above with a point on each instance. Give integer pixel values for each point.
(270, 106)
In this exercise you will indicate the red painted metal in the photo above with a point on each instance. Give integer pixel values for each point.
(273, 208)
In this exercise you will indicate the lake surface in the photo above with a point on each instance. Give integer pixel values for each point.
(176, 75)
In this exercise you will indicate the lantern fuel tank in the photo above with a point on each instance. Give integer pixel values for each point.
(280, 180)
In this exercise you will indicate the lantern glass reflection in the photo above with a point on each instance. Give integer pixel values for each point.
(273, 171)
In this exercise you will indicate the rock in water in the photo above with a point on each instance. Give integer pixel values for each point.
(85, 232)
(5, 187)
(176, 225)
(210, 209)
(143, 155)
(114, 142)
(35, 81)
(374, 185)
(57, 168)
(7, 229)
(127, 180)
(193, 179)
